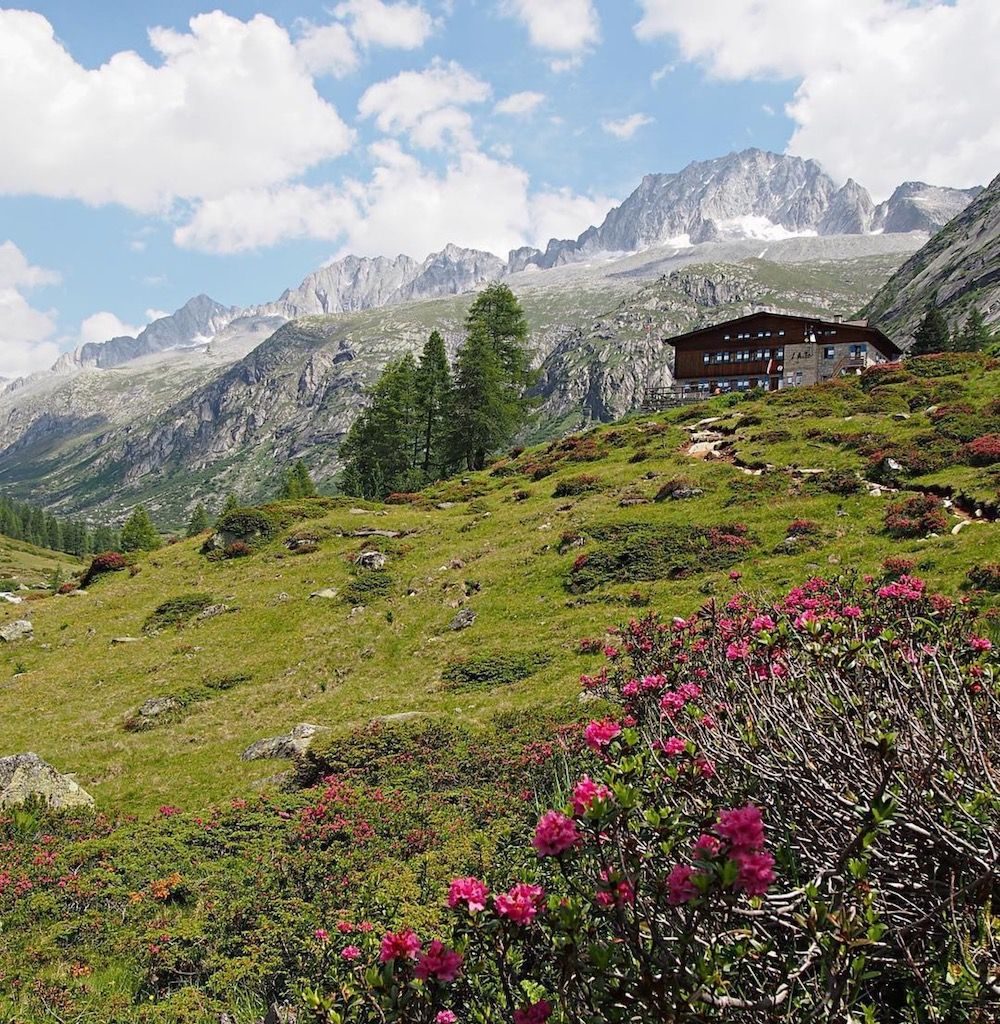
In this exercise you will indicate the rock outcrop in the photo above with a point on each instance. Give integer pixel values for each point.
(957, 268)
(26, 777)
(288, 746)
(19, 629)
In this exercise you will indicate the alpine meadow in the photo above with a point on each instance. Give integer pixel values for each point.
(594, 621)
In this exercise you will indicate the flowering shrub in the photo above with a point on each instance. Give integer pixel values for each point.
(983, 451)
(986, 577)
(238, 549)
(100, 565)
(865, 720)
(916, 516)
(803, 528)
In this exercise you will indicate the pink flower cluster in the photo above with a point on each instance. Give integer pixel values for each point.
(438, 962)
(469, 891)
(536, 1013)
(600, 735)
(521, 904)
(586, 793)
(404, 945)
(740, 838)
(555, 834)
(906, 588)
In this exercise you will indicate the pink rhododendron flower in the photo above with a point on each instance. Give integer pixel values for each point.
(689, 691)
(555, 834)
(851, 611)
(600, 734)
(399, 946)
(705, 768)
(586, 793)
(321, 935)
(705, 847)
(537, 1013)
(672, 747)
(445, 1017)
(618, 894)
(680, 885)
(980, 643)
(350, 952)
(522, 903)
(671, 703)
(762, 622)
(756, 872)
(437, 961)
(738, 651)
(742, 828)
(469, 891)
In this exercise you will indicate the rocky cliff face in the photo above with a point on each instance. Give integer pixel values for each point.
(196, 322)
(752, 194)
(958, 268)
(916, 206)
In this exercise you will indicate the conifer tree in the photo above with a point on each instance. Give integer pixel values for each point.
(433, 394)
(139, 533)
(932, 334)
(491, 376)
(199, 521)
(379, 448)
(231, 504)
(297, 482)
(974, 336)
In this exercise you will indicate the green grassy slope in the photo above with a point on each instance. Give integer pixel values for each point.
(30, 565)
(499, 543)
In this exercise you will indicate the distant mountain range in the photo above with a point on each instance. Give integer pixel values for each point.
(216, 398)
(748, 195)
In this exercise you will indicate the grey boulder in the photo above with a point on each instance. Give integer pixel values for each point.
(26, 776)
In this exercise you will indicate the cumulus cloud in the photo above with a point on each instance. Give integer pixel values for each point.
(626, 127)
(103, 326)
(426, 105)
(477, 201)
(328, 49)
(558, 26)
(889, 90)
(401, 26)
(520, 103)
(231, 105)
(25, 332)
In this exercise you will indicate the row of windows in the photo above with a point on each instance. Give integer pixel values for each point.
(749, 334)
(854, 352)
(743, 384)
(743, 356)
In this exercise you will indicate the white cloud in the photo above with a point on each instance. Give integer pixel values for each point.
(889, 90)
(477, 201)
(426, 104)
(155, 314)
(660, 73)
(520, 103)
(401, 26)
(328, 49)
(626, 127)
(103, 326)
(25, 332)
(230, 106)
(559, 26)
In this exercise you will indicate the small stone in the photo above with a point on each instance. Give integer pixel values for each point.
(19, 629)
(371, 560)
(327, 595)
(463, 620)
(119, 640)
(456, 563)
(293, 743)
(214, 610)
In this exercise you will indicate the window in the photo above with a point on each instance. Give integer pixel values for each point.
(781, 334)
(767, 334)
(780, 354)
(705, 357)
(859, 351)
(725, 337)
(828, 352)
(726, 356)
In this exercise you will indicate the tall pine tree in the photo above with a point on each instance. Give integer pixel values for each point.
(139, 533)
(199, 521)
(974, 336)
(379, 448)
(297, 482)
(433, 394)
(491, 376)
(932, 334)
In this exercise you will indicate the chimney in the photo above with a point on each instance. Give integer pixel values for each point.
(838, 318)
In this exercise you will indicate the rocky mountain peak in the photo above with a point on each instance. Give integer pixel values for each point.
(917, 206)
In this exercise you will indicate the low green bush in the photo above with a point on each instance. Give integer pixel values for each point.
(486, 671)
(368, 585)
(178, 611)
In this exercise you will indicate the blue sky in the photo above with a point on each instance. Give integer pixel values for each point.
(169, 148)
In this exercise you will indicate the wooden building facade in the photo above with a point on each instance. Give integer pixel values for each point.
(773, 351)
